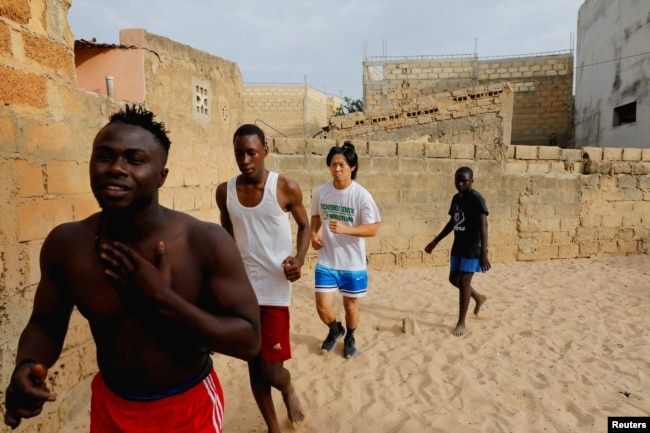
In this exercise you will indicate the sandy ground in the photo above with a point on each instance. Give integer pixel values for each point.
(564, 346)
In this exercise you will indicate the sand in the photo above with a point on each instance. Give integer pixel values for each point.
(564, 346)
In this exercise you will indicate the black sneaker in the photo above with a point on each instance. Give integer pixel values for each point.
(349, 347)
(330, 341)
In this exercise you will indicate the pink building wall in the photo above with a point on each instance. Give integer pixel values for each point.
(124, 62)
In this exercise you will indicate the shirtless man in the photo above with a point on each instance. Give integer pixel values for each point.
(160, 289)
(255, 208)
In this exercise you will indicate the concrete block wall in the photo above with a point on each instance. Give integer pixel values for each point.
(542, 85)
(543, 96)
(45, 128)
(477, 115)
(402, 81)
(545, 202)
(287, 110)
(47, 125)
(201, 150)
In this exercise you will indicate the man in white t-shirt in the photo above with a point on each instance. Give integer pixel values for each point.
(347, 214)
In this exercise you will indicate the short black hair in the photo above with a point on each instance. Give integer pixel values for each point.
(139, 116)
(250, 129)
(466, 170)
(348, 151)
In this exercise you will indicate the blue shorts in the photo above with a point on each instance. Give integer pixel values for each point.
(463, 264)
(353, 284)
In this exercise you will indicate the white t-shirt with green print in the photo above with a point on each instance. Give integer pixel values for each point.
(351, 206)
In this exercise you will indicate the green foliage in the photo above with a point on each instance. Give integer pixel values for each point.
(349, 106)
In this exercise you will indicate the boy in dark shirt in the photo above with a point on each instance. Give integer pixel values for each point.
(469, 252)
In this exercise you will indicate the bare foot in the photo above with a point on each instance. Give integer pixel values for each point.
(480, 300)
(294, 409)
(460, 330)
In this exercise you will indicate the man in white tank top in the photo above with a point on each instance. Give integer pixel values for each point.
(255, 208)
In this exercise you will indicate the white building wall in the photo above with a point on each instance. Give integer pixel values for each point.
(612, 69)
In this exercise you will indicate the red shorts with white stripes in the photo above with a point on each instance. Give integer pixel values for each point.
(196, 410)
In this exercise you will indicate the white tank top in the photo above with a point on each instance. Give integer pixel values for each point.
(263, 235)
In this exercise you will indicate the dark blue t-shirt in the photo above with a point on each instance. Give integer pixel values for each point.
(465, 210)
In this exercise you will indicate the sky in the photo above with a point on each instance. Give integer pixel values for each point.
(324, 43)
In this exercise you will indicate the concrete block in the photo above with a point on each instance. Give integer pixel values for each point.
(83, 206)
(437, 150)
(412, 258)
(463, 151)
(538, 167)
(632, 154)
(8, 140)
(612, 220)
(568, 251)
(382, 148)
(382, 261)
(612, 154)
(411, 165)
(549, 152)
(641, 168)
(541, 252)
(525, 152)
(49, 53)
(621, 168)
(37, 217)
(516, 167)
(593, 153)
(67, 177)
(293, 146)
(597, 167)
(412, 149)
(410, 326)
(487, 152)
(22, 89)
(30, 179)
(383, 165)
(606, 233)
(645, 155)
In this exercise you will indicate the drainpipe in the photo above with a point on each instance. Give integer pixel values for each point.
(110, 86)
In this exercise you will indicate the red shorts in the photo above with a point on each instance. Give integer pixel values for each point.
(197, 410)
(276, 341)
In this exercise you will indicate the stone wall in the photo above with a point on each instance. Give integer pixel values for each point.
(288, 110)
(542, 84)
(545, 202)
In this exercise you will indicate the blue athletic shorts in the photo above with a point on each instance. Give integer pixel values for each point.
(463, 264)
(353, 284)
